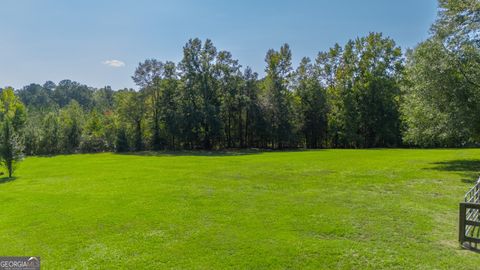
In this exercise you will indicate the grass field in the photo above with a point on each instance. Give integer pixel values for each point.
(250, 210)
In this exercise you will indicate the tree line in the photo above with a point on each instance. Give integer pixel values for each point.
(365, 93)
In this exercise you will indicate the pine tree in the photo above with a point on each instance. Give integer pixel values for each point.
(11, 148)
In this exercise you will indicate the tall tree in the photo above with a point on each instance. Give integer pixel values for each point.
(71, 122)
(12, 116)
(130, 110)
(149, 76)
(68, 90)
(33, 133)
(327, 66)
(170, 103)
(50, 134)
(37, 96)
(312, 104)
(279, 96)
(362, 81)
(93, 136)
(201, 106)
(442, 85)
(103, 99)
(11, 148)
(230, 79)
(379, 71)
(255, 121)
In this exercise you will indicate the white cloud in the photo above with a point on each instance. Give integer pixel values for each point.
(114, 63)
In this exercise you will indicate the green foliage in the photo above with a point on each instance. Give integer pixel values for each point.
(362, 82)
(170, 104)
(71, 121)
(67, 90)
(279, 99)
(201, 100)
(348, 98)
(32, 133)
(50, 136)
(149, 75)
(231, 97)
(12, 117)
(312, 105)
(103, 99)
(121, 142)
(93, 138)
(11, 147)
(255, 123)
(363, 94)
(442, 87)
(130, 110)
(12, 109)
(37, 96)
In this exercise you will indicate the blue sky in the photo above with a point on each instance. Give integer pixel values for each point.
(54, 40)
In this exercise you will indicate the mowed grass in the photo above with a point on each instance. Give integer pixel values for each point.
(352, 209)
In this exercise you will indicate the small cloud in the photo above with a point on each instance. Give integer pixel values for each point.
(114, 63)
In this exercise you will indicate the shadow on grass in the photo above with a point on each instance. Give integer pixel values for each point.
(7, 179)
(470, 247)
(202, 153)
(213, 153)
(468, 168)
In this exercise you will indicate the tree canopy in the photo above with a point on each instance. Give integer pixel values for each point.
(364, 93)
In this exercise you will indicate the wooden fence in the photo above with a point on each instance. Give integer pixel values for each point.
(469, 219)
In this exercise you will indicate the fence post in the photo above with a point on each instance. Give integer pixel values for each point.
(461, 223)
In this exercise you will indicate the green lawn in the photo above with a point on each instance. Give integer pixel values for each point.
(242, 210)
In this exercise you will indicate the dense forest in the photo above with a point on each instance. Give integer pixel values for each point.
(365, 93)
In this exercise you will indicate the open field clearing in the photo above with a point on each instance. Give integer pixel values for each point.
(252, 210)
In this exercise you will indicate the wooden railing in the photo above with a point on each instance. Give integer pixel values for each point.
(469, 218)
